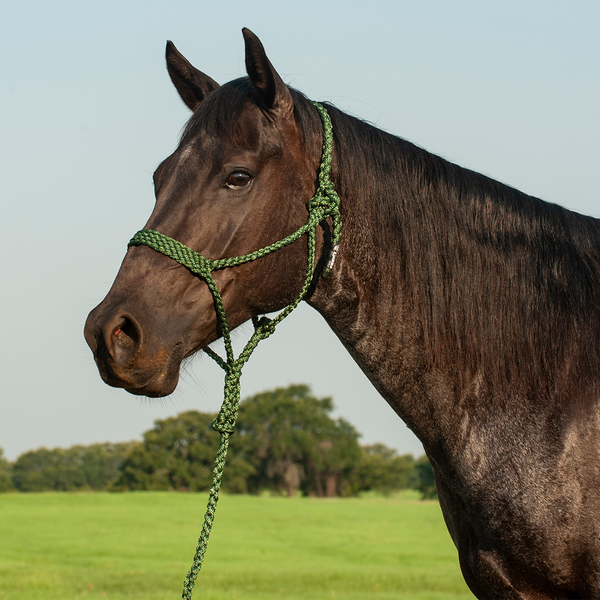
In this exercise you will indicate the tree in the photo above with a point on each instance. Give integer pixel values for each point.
(6, 483)
(382, 470)
(291, 441)
(91, 467)
(178, 453)
(426, 482)
(285, 440)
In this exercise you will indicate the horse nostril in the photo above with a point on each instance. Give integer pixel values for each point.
(125, 332)
(124, 336)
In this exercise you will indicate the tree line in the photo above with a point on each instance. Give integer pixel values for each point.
(286, 441)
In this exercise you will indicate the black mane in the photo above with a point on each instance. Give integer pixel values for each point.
(503, 284)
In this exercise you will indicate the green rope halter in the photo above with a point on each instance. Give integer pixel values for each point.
(325, 203)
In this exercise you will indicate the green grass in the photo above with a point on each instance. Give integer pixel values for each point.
(140, 545)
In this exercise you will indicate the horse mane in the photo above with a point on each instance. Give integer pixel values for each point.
(502, 285)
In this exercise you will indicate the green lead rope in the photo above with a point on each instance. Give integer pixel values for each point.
(325, 203)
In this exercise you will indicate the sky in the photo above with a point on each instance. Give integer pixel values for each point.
(509, 89)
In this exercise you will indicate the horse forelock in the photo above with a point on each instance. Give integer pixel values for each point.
(219, 114)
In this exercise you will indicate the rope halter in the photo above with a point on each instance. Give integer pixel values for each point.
(325, 203)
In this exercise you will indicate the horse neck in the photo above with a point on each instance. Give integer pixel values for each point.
(448, 280)
(365, 301)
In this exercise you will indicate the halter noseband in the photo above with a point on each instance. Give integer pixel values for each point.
(325, 203)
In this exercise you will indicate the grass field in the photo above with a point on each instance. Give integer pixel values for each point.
(140, 545)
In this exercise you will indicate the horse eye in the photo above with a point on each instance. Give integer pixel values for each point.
(238, 179)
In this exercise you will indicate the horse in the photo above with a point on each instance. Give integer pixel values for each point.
(473, 308)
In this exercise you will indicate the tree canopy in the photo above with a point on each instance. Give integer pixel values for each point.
(293, 443)
(178, 453)
(286, 440)
(75, 468)
(6, 483)
(382, 470)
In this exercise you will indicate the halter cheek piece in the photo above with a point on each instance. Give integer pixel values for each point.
(325, 203)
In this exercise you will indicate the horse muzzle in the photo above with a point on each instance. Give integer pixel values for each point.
(123, 356)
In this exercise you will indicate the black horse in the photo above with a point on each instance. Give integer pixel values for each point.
(473, 308)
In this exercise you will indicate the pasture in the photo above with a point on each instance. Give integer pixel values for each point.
(57, 546)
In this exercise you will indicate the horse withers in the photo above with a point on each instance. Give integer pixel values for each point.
(473, 308)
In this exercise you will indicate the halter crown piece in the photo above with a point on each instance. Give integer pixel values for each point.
(325, 203)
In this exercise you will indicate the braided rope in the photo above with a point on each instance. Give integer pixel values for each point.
(325, 203)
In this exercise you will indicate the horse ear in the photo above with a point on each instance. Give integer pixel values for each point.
(272, 92)
(193, 85)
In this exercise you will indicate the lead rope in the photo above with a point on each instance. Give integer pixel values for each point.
(325, 203)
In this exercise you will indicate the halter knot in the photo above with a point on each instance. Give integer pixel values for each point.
(326, 200)
(224, 423)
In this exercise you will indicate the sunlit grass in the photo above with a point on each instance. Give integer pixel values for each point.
(140, 545)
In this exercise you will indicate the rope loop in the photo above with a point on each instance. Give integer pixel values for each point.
(265, 328)
(261, 323)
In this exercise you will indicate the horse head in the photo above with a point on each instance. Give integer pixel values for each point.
(238, 181)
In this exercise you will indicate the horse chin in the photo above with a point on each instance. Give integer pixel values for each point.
(153, 377)
(157, 389)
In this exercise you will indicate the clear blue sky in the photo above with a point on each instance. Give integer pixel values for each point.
(511, 89)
